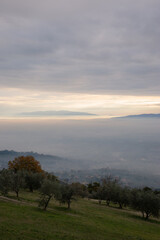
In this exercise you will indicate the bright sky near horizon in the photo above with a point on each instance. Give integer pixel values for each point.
(84, 56)
(18, 103)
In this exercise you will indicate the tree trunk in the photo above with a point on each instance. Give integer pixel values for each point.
(120, 205)
(31, 188)
(17, 194)
(147, 215)
(47, 202)
(107, 202)
(69, 204)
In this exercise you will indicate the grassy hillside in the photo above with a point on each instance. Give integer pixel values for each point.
(85, 221)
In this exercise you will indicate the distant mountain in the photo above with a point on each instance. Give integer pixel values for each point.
(143, 116)
(54, 113)
(48, 162)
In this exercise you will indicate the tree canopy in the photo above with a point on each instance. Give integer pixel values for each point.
(28, 163)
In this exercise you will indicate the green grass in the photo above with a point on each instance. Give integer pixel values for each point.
(85, 221)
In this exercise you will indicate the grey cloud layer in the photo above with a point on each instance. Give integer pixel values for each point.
(81, 46)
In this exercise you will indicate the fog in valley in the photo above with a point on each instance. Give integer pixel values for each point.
(122, 143)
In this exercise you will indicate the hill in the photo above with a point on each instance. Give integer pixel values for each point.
(48, 162)
(86, 220)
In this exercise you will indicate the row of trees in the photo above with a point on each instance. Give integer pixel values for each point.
(47, 185)
(14, 181)
(144, 200)
(26, 173)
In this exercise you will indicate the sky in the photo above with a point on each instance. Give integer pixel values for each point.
(68, 66)
(83, 59)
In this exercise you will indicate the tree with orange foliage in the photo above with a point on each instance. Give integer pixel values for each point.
(28, 163)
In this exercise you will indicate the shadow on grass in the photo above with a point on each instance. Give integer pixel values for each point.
(48, 212)
(57, 208)
(128, 212)
(143, 219)
(62, 209)
(23, 200)
(14, 197)
(112, 206)
(70, 211)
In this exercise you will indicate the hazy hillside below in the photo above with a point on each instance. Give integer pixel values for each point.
(127, 144)
(48, 162)
(127, 178)
(71, 170)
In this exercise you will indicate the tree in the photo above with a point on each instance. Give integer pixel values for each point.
(33, 180)
(93, 187)
(108, 185)
(5, 181)
(49, 189)
(27, 163)
(120, 195)
(50, 176)
(17, 181)
(147, 202)
(100, 194)
(146, 189)
(80, 190)
(66, 195)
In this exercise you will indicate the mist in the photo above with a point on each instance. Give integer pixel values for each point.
(131, 144)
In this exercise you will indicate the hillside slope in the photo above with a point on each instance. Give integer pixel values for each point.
(85, 221)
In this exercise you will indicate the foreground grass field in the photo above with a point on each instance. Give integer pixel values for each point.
(85, 221)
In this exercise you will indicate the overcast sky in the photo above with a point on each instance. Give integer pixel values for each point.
(94, 56)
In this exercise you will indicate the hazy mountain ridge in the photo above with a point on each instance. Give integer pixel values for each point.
(48, 162)
(151, 115)
(55, 113)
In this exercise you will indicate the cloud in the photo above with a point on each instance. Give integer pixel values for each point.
(81, 46)
(13, 102)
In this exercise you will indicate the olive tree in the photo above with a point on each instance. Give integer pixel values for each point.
(16, 181)
(67, 192)
(147, 202)
(5, 181)
(48, 190)
(33, 180)
(120, 195)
